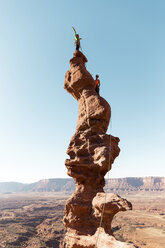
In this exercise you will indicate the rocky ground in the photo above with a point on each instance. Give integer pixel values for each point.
(34, 220)
(31, 220)
(145, 224)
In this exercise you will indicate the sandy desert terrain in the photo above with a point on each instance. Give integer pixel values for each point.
(34, 220)
(145, 224)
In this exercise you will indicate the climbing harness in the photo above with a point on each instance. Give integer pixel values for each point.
(106, 191)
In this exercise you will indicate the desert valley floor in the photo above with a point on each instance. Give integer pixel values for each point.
(34, 220)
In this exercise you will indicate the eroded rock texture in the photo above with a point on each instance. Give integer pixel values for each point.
(92, 153)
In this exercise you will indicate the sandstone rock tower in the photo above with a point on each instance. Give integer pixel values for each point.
(92, 153)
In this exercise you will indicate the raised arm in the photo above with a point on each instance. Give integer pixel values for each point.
(74, 31)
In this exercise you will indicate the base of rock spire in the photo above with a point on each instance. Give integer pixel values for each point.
(72, 240)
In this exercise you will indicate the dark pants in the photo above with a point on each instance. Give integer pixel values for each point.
(97, 89)
(77, 47)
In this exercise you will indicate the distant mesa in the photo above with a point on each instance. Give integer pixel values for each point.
(67, 185)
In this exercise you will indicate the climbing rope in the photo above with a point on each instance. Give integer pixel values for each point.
(106, 191)
(86, 109)
(87, 115)
(109, 163)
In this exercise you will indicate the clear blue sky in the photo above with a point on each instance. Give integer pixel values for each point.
(124, 41)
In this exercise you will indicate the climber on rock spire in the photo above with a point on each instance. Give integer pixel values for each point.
(97, 82)
(77, 39)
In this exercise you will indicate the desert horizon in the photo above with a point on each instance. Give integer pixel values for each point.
(68, 184)
(67, 177)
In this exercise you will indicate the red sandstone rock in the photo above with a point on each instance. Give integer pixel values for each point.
(92, 153)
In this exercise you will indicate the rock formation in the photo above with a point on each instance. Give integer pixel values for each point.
(92, 153)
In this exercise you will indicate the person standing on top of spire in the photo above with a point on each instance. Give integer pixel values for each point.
(97, 82)
(77, 39)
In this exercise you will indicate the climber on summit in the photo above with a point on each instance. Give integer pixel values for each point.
(77, 39)
(97, 84)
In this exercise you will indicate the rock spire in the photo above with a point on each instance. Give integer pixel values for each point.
(92, 153)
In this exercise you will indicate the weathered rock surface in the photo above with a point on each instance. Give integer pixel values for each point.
(92, 153)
